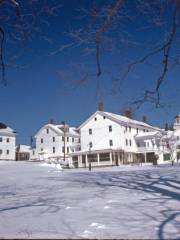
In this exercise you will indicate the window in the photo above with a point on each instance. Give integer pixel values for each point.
(90, 144)
(144, 130)
(33, 152)
(7, 140)
(79, 140)
(72, 139)
(126, 128)
(63, 139)
(90, 131)
(167, 156)
(95, 119)
(47, 130)
(1, 139)
(137, 130)
(138, 144)
(126, 142)
(110, 143)
(83, 159)
(53, 139)
(110, 128)
(1, 151)
(67, 139)
(63, 149)
(7, 152)
(41, 149)
(54, 150)
(67, 149)
(41, 140)
(178, 138)
(129, 129)
(104, 117)
(130, 142)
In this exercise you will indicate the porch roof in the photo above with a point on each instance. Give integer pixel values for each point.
(93, 151)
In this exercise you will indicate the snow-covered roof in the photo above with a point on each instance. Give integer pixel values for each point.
(23, 148)
(147, 134)
(6, 131)
(59, 130)
(120, 119)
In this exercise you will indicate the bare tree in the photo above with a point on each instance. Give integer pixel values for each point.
(20, 22)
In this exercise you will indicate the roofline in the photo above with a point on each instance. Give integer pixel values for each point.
(45, 126)
(102, 113)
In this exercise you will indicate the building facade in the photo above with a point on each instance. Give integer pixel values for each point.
(7, 142)
(111, 139)
(56, 142)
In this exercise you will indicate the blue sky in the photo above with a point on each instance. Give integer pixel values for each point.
(41, 88)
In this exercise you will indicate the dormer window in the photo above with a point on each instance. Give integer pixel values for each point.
(90, 131)
(137, 130)
(104, 117)
(47, 130)
(95, 119)
(129, 129)
(110, 128)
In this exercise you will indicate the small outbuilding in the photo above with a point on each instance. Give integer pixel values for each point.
(23, 152)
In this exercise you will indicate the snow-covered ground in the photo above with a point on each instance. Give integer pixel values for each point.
(119, 202)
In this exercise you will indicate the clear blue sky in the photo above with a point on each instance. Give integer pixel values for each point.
(36, 92)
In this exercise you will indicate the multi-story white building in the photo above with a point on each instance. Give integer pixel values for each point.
(7, 142)
(111, 139)
(56, 142)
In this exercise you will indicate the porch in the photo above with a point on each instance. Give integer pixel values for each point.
(106, 157)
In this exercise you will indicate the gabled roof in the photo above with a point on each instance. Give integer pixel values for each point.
(52, 127)
(23, 148)
(58, 130)
(119, 119)
(6, 131)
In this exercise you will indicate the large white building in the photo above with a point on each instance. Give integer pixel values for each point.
(7, 142)
(56, 142)
(111, 139)
(107, 139)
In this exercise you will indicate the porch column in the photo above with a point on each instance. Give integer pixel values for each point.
(145, 157)
(98, 159)
(110, 156)
(118, 158)
(79, 160)
(86, 160)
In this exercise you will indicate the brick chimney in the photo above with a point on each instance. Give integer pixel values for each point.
(144, 119)
(51, 121)
(100, 106)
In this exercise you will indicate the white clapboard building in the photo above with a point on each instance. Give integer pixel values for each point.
(112, 139)
(7, 142)
(55, 142)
